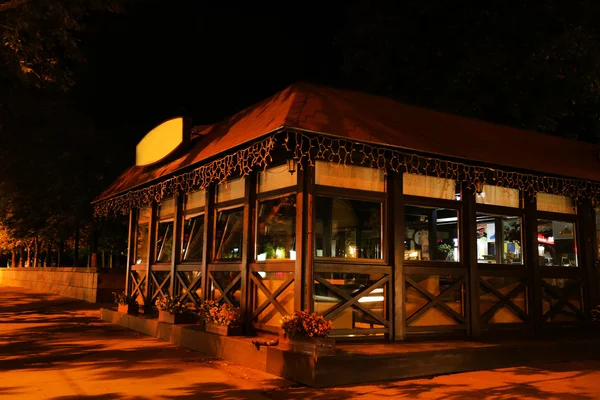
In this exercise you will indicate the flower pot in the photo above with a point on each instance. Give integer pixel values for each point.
(131, 309)
(223, 330)
(169, 318)
(317, 347)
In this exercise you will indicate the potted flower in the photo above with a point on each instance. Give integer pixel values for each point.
(170, 310)
(443, 250)
(223, 319)
(306, 332)
(126, 304)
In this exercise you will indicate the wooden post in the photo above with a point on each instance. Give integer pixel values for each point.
(585, 235)
(308, 240)
(131, 243)
(531, 256)
(396, 246)
(151, 244)
(300, 229)
(209, 228)
(176, 242)
(469, 256)
(248, 248)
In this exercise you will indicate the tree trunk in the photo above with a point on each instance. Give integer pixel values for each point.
(76, 247)
(61, 252)
(48, 260)
(28, 263)
(21, 256)
(36, 252)
(13, 258)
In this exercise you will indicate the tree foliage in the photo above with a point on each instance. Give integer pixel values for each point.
(534, 65)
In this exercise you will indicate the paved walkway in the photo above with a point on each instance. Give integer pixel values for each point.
(53, 347)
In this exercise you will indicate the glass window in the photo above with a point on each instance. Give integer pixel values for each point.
(431, 234)
(349, 176)
(498, 196)
(230, 190)
(143, 225)
(499, 239)
(229, 234)
(193, 238)
(556, 243)
(430, 186)
(195, 200)
(276, 229)
(275, 178)
(555, 203)
(164, 232)
(348, 228)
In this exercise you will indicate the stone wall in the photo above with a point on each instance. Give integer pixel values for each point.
(80, 283)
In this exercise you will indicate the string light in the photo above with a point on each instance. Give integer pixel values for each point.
(308, 147)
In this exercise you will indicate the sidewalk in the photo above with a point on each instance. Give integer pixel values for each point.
(53, 347)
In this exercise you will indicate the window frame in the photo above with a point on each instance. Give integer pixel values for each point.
(502, 211)
(270, 195)
(434, 202)
(361, 195)
(570, 218)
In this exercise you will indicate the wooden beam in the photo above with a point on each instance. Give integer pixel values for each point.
(131, 243)
(177, 240)
(308, 239)
(207, 251)
(248, 248)
(301, 257)
(396, 248)
(586, 236)
(468, 247)
(150, 255)
(532, 262)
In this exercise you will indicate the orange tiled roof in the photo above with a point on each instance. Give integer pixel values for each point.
(369, 118)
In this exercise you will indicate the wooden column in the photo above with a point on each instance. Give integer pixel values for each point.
(308, 239)
(396, 246)
(469, 257)
(150, 260)
(301, 257)
(177, 238)
(532, 262)
(209, 228)
(248, 248)
(131, 243)
(586, 255)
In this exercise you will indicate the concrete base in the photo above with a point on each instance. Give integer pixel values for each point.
(80, 283)
(372, 362)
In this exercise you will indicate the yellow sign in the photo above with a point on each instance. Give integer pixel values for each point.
(160, 142)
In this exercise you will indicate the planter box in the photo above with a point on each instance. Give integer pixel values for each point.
(164, 316)
(317, 347)
(131, 309)
(223, 330)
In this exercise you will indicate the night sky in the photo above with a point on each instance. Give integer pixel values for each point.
(172, 58)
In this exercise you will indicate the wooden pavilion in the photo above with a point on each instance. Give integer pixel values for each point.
(390, 220)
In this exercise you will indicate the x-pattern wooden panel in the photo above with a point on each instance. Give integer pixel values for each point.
(435, 301)
(271, 296)
(563, 299)
(353, 301)
(188, 288)
(225, 293)
(159, 287)
(136, 285)
(503, 300)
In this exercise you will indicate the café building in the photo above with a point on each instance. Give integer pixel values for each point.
(390, 220)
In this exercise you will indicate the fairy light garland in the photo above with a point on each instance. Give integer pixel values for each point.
(239, 163)
(308, 147)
